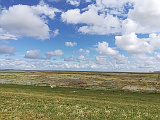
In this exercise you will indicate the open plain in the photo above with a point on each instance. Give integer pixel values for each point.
(79, 95)
(136, 82)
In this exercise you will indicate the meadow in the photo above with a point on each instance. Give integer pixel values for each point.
(19, 102)
(67, 95)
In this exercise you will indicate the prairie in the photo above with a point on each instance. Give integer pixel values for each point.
(69, 95)
(135, 82)
(25, 102)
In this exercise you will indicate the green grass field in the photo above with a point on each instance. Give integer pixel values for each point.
(23, 102)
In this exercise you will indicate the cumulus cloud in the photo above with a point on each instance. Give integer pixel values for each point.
(55, 53)
(101, 17)
(95, 23)
(24, 20)
(98, 18)
(141, 20)
(22, 24)
(81, 58)
(132, 44)
(4, 49)
(144, 14)
(119, 59)
(103, 48)
(87, 52)
(70, 58)
(129, 26)
(157, 56)
(146, 62)
(100, 60)
(74, 2)
(33, 54)
(154, 41)
(70, 44)
(44, 9)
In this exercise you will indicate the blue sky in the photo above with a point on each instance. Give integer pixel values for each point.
(94, 35)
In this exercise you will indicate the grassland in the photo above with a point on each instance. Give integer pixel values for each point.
(66, 95)
(135, 82)
(25, 102)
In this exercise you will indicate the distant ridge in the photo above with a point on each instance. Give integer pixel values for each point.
(16, 70)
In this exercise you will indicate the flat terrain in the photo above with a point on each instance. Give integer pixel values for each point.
(28, 102)
(136, 82)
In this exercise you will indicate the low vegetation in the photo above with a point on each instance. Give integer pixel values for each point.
(65, 95)
(135, 82)
(25, 102)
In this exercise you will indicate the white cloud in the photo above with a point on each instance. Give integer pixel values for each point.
(132, 44)
(88, 0)
(103, 48)
(4, 35)
(100, 30)
(81, 58)
(113, 3)
(145, 13)
(44, 9)
(143, 18)
(80, 50)
(119, 59)
(74, 2)
(99, 19)
(129, 26)
(33, 54)
(7, 36)
(116, 63)
(24, 20)
(55, 33)
(95, 23)
(154, 41)
(157, 56)
(70, 44)
(100, 60)
(70, 58)
(87, 52)
(145, 62)
(26, 23)
(4, 49)
(115, 7)
(142, 63)
(55, 53)
(68, 16)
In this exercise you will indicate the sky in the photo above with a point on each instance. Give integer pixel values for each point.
(82, 35)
